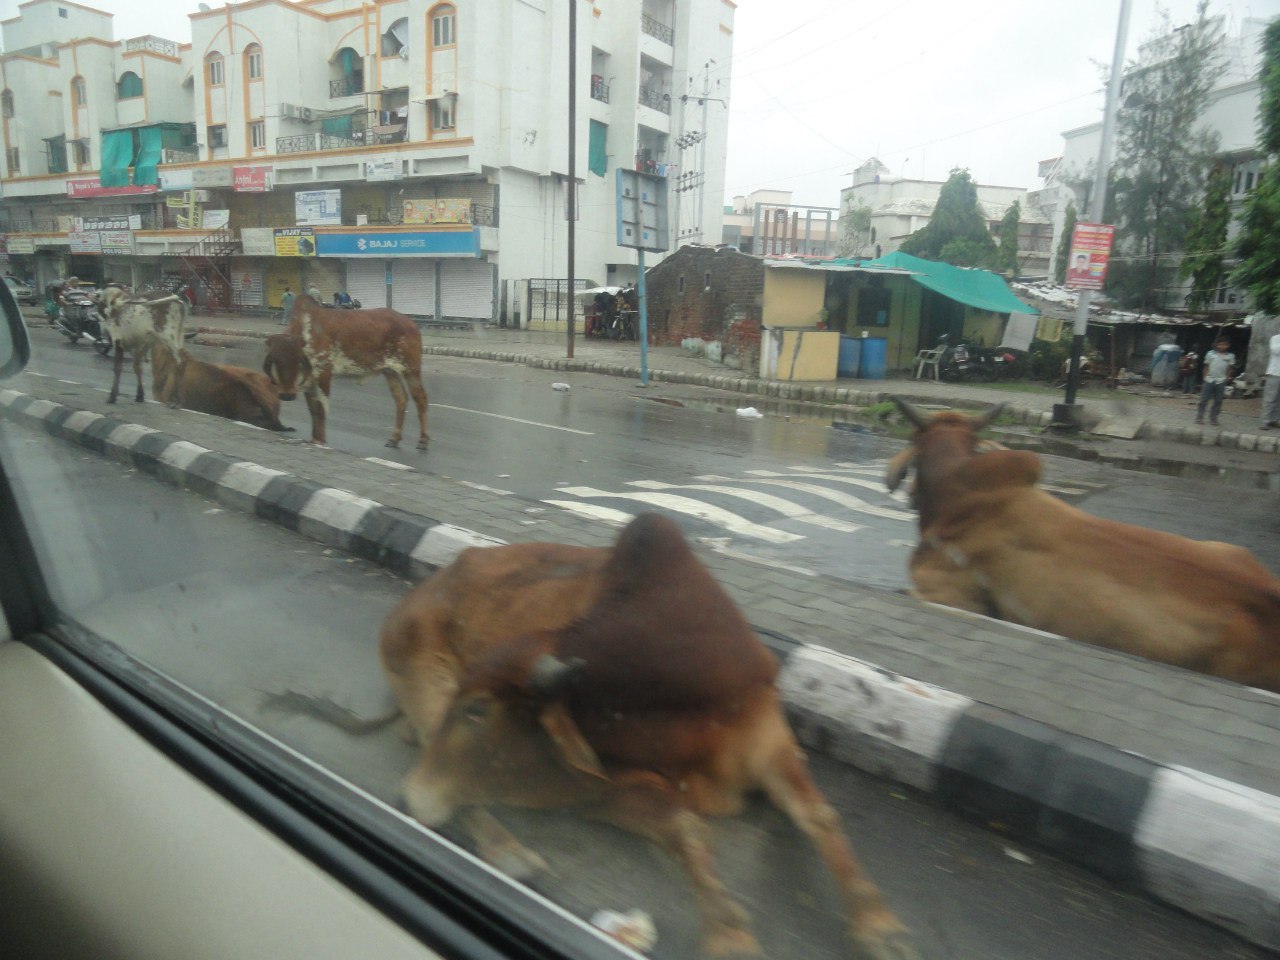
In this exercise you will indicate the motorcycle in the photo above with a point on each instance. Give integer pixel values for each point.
(954, 362)
(992, 364)
(78, 317)
(343, 301)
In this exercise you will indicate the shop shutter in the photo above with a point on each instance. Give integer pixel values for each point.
(413, 287)
(367, 281)
(466, 288)
(281, 271)
(325, 274)
(246, 286)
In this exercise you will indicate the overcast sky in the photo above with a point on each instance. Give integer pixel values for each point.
(818, 86)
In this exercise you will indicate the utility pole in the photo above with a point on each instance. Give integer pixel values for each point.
(571, 189)
(1066, 415)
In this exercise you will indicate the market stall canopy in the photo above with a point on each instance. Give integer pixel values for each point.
(980, 289)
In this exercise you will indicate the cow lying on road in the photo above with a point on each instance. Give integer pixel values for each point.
(137, 325)
(236, 393)
(323, 343)
(992, 542)
(621, 681)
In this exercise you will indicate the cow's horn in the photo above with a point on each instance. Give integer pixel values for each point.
(550, 675)
(984, 420)
(917, 418)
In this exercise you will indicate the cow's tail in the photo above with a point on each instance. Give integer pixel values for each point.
(291, 701)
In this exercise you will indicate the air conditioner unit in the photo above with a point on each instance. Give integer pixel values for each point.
(306, 114)
(288, 110)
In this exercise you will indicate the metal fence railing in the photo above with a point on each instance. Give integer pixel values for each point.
(658, 101)
(656, 28)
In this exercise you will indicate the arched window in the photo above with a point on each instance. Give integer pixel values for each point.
(396, 39)
(443, 32)
(79, 92)
(214, 69)
(253, 61)
(128, 86)
(6, 103)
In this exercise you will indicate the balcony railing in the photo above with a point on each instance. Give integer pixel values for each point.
(175, 155)
(484, 215)
(658, 101)
(599, 89)
(346, 87)
(311, 142)
(656, 28)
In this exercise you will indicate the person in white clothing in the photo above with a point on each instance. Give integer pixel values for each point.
(1271, 387)
(1219, 366)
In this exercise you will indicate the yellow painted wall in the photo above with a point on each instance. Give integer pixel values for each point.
(793, 298)
(808, 355)
(903, 331)
(983, 327)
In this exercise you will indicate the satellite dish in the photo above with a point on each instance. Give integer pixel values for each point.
(204, 8)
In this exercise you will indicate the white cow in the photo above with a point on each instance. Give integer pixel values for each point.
(137, 325)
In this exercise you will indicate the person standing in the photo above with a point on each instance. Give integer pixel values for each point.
(1219, 365)
(286, 305)
(1271, 387)
(1188, 366)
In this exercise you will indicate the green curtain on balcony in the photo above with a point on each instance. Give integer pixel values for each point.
(117, 157)
(57, 149)
(128, 86)
(146, 167)
(348, 62)
(336, 126)
(597, 154)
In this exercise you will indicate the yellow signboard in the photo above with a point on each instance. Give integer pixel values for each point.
(295, 242)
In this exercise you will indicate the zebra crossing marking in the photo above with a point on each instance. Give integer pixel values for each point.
(593, 511)
(845, 500)
(726, 519)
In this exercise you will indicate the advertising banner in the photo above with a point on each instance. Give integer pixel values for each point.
(375, 170)
(122, 222)
(216, 219)
(213, 176)
(295, 242)
(318, 207)
(1090, 251)
(79, 187)
(85, 242)
(176, 179)
(116, 241)
(22, 244)
(258, 241)
(441, 243)
(248, 179)
(438, 210)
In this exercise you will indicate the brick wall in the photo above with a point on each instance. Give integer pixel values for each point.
(719, 299)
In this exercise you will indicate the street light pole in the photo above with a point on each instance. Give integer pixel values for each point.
(571, 198)
(1066, 414)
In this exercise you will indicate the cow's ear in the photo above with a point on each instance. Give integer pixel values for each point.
(569, 741)
(898, 468)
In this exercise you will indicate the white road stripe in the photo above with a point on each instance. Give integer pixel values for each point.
(877, 485)
(593, 511)
(388, 463)
(787, 508)
(486, 489)
(499, 416)
(695, 508)
(835, 496)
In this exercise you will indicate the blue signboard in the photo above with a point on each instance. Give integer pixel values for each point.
(450, 243)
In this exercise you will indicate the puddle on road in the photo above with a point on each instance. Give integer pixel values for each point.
(850, 419)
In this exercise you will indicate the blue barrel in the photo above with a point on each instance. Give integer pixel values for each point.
(874, 353)
(850, 355)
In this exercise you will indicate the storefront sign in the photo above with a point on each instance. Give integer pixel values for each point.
(375, 170)
(85, 242)
(116, 241)
(258, 241)
(1090, 250)
(295, 242)
(216, 219)
(124, 222)
(318, 207)
(249, 179)
(176, 179)
(22, 245)
(214, 176)
(438, 243)
(78, 188)
(437, 211)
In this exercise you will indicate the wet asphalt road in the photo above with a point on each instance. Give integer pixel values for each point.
(234, 607)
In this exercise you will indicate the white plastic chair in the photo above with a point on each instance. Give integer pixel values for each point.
(927, 359)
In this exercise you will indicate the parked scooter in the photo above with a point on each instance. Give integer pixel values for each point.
(78, 317)
(954, 362)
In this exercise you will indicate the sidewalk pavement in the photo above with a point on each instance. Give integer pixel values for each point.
(1158, 778)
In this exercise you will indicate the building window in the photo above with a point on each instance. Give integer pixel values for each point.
(6, 103)
(62, 12)
(79, 92)
(253, 61)
(442, 26)
(442, 114)
(215, 70)
(218, 136)
(129, 86)
(395, 41)
(14, 165)
(706, 281)
(80, 152)
(257, 134)
(680, 285)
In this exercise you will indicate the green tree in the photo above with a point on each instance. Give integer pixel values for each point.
(1162, 158)
(1258, 245)
(855, 231)
(956, 232)
(1007, 255)
(1205, 260)
(1064, 243)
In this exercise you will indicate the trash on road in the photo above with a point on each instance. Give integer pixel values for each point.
(750, 412)
(562, 387)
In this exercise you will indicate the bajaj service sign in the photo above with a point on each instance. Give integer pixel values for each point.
(318, 207)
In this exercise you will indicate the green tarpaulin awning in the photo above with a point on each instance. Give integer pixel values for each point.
(117, 157)
(980, 289)
(146, 167)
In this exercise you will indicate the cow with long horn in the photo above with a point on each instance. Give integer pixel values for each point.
(993, 542)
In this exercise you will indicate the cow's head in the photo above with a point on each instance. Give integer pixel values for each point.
(111, 301)
(508, 738)
(286, 364)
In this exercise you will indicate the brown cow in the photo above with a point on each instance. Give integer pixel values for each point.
(993, 542)
(136, 325)
(323, 343)
(620, 681)
(236, 393)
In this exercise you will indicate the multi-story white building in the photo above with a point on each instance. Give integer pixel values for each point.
(900, 206)
(413, 152)
(767, 223)
(1231, 112)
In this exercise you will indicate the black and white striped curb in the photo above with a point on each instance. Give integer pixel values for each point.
(1201, 843)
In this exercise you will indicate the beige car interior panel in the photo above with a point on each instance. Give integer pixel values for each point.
(109, 850)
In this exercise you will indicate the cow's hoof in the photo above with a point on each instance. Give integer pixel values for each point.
(893, 946)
